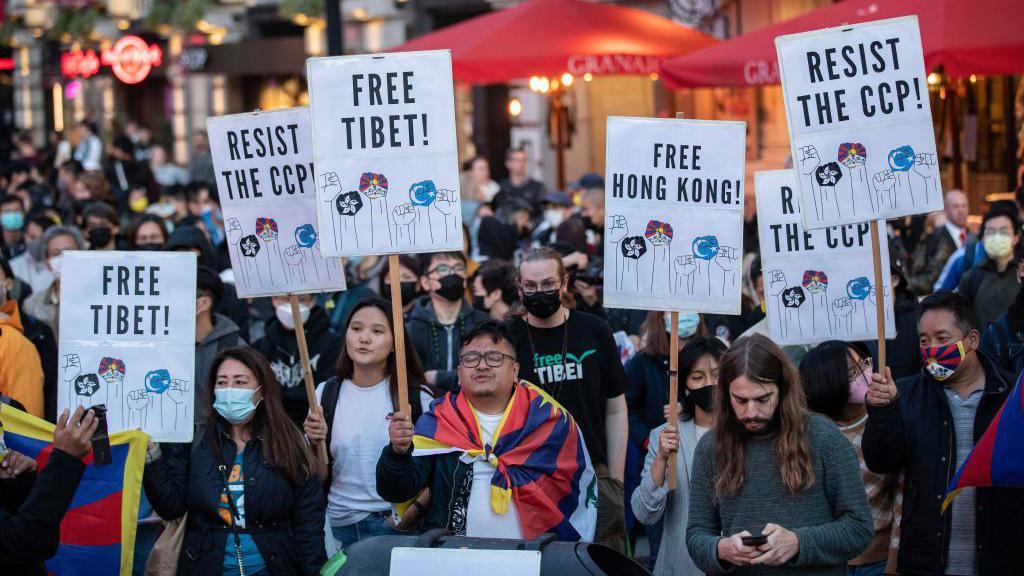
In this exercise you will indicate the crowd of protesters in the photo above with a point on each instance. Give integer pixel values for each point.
(789, 461)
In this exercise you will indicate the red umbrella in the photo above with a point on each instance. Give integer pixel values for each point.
(550, 37)
(964, 36)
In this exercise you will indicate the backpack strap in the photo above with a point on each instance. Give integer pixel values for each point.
(328, 404)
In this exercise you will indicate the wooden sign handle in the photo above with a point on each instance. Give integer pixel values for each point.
(399, 323)
(673, 382)
(876, 253)
(307, 369)
(673, 392)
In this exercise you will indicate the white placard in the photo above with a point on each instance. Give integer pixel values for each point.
(128, 339)
(860, 123)
(447, 561)
(819, 284)
(674, 214)
(385, 153)
(265, 177)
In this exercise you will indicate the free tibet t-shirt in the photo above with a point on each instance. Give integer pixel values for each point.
(583, 380)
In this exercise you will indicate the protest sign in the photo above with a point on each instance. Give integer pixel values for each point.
(385, 153)
(127, 339)
(818, 283)
(860, 122)
(673, 235)
(265, 176)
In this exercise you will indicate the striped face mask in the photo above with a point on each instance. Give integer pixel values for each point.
(942, 361)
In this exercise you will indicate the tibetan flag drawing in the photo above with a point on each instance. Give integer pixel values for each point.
(998, 458)
(541, 461)
(97, 535)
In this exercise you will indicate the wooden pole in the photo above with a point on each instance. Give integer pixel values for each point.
(307, 369)
(876, 253)
(673, 392)
(673, 383)
(399, 322)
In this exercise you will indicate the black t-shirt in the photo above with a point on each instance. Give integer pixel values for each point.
(584, 380)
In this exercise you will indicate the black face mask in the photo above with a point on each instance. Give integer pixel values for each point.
(408, 291)
(99, 237)
(478, 303)
(542, 304)
(453, 287)
(152, 246)
(703, 398)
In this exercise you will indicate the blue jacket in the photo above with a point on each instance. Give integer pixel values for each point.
(285, 522)
(646, 395)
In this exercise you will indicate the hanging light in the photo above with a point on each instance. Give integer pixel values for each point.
(515, 107)
(543, 85)
(567, 79)
(535, 83)
(588, 77)
(974, 78)
(934, 79)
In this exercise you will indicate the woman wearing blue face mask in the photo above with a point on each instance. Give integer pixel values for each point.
(249, 486)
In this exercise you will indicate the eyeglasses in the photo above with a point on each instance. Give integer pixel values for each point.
(865, 364)
(548, 286)
(493, 358)
(443, 270)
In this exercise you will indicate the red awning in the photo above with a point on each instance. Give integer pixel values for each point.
(550, 37)
(964, 36)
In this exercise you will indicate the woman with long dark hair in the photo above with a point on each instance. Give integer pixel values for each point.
(357, 405)
(665, 512)
(254, 502)
(836, 377)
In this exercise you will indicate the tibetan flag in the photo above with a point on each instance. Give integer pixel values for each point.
(542, 465)
(998, 458)
(97, 535)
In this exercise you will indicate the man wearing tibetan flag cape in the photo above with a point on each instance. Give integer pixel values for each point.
(79, 518)
(501, 458)
(926, 425)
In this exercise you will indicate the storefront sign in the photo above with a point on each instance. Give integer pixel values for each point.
(77, 63)
(131, 59)
(612, 64)
(193, 59)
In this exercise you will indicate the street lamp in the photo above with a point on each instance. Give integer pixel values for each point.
(560, 124)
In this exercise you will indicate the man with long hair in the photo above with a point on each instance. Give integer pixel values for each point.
(782, 485)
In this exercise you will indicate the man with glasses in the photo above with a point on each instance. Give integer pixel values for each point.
(437, 323)
(991, 286)
(500, 457)
(572, 356)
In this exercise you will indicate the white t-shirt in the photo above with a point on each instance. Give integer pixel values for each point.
(481, 520)
(359, 434)
(701, 431)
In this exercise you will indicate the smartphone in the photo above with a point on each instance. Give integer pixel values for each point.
(100, 440)
(754, 540)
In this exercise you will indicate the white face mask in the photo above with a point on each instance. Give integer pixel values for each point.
(54, 264)
(553, 217)
(284, 314)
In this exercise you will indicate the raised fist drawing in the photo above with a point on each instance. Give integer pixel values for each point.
(776, 282)
(404, 214)
(71, 368)
(234, 230)
(808, 159)
(618, 229)
(726, 258)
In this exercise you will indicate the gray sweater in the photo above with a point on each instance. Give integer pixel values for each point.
(831, 518)
(652, 502)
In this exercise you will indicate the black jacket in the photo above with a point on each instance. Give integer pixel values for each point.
(1003, 340)
(282, 352)
(285, 522)
(437, 345)
(903, 351)
(42, 337)
(916, 434)
(31, 510)
(401, 477)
